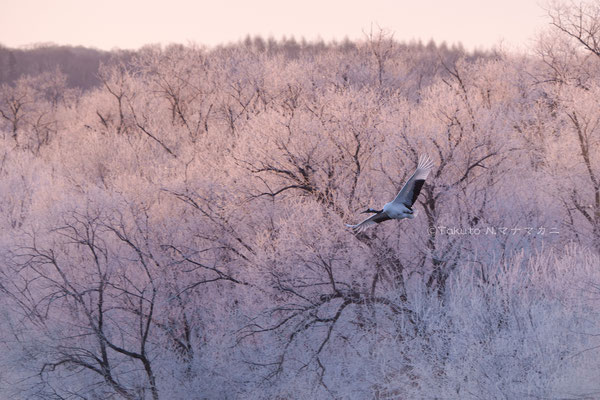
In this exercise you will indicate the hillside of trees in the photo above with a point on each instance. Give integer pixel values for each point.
(80, 65)
(172, 220)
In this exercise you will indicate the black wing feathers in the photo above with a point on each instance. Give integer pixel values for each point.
(379, 218)
(415, 192)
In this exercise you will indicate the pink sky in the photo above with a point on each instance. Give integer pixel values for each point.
(132, 23)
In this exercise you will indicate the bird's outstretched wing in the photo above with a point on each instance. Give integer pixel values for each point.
(409, 193)
(372, 220)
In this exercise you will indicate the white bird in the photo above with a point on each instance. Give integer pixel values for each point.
(401, 206)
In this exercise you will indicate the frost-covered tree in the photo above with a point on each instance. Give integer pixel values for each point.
(179, 231)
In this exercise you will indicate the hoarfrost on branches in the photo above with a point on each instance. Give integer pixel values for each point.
(178, 231)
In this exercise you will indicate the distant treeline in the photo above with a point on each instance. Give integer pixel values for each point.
(80, 64)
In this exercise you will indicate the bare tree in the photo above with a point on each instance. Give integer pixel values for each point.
(579, 24)
(181, 77)
(580, 21)
(110, 303)
(15, 101)
(381, 44)
(115, 80)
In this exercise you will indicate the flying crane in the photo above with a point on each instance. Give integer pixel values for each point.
(401, 206)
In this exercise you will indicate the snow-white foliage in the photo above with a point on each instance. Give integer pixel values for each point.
(179, 232)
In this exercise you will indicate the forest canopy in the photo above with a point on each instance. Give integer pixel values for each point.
(172, 220)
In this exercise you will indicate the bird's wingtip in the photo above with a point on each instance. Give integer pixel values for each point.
(425, 162)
